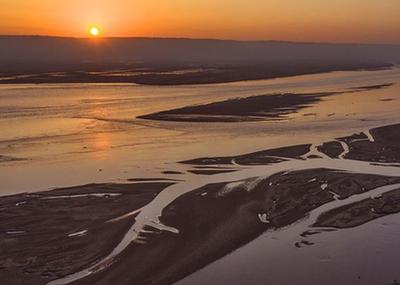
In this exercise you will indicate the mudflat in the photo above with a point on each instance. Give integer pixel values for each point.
(47, 235)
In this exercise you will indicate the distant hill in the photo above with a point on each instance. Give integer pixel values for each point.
(27, 54)
(53, 49)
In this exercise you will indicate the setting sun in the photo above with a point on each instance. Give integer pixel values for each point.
(94, 31)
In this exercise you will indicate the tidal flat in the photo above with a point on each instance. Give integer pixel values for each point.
(91, 190)
(99, 230)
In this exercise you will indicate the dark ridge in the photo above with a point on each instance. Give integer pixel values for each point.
(172, 172)
(372, 87)
(210, 171)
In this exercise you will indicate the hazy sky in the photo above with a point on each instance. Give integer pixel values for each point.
(300, 20)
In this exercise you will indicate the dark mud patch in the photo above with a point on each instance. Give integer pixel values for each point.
(332, 149)
(44, 239)
(361, 212)
(256, 158)
(385, 146)
(172, 172)
(255, 108)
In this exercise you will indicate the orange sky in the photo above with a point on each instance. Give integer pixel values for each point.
(299, 20)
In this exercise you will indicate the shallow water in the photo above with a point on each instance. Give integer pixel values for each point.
(364, 255)
(70, 134)
(367, 254)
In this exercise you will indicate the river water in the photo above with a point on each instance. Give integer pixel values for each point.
(70, 134)
(54, 135)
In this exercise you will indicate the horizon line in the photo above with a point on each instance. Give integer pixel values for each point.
(195, 39)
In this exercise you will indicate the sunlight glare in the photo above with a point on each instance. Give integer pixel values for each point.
(94, 31)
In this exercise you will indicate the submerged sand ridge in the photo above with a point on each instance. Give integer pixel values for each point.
(255, 108)
(269, 107)
(178, 227)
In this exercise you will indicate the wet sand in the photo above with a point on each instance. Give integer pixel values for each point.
(66, 231)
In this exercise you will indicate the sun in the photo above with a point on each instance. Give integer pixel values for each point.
(94, 31)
